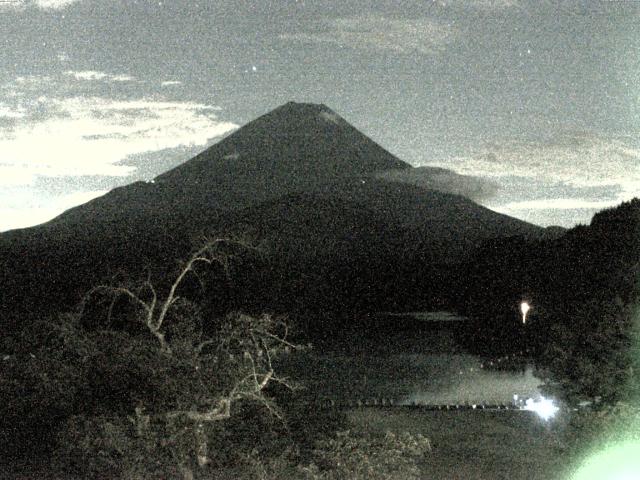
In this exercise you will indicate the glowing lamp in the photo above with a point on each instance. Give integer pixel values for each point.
(544, 407)
(524, 308)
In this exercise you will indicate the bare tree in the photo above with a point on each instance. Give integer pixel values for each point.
(154, 310)
(243, 351)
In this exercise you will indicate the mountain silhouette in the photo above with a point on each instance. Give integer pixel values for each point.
(295, 143)
(299, 161)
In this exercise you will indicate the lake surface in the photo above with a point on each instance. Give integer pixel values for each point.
(410, 367)
(405, 378)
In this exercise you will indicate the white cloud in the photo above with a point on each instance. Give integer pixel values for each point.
(92, 75)
(55, 4)
(556, 204)
(89, 136)
(443, 180)
(561, 180)
(580, 160)
(122, 78)
(14, 175)
(43, 4)
(168, 83)
(33, 80)
(372, 32)
(11, 112)
(490, 4)
(12, 5)
(87, 75)
(49, 132)
(12, 218)
(565, 212)
(53, 135)
(333, 118)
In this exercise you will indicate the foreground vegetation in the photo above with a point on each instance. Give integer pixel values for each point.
(486, 445)
(135, 384)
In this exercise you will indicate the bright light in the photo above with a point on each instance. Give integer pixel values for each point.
(524, 308)
(543, 407)
(621, 462)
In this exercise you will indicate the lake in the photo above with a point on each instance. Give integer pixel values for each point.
(422, 364)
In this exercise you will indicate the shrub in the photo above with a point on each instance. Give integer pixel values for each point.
(372, 458)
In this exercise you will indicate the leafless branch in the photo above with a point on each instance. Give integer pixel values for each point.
(205, 254)
(115, 292)
(280, 340)
(223, 408)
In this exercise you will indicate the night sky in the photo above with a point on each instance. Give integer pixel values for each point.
(540, 99)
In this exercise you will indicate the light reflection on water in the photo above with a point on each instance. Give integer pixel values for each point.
(426, 365)
(474, 385)
(411, 378)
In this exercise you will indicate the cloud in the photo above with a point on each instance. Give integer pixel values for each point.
(30, 81)
(54, 141)
(490, 4)
(26, 216)
(578, 159)
(54, 4)
(564, 212)
(563, 179)
(11, 113)
(90, 135)
(558, 204)
(462, 378)
(444, 180)
(560, 180)
(372, 32)
(556, 211)
(42, 4)
(168, 83)
(90, 75)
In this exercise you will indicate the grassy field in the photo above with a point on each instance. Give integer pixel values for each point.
(473, 445)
